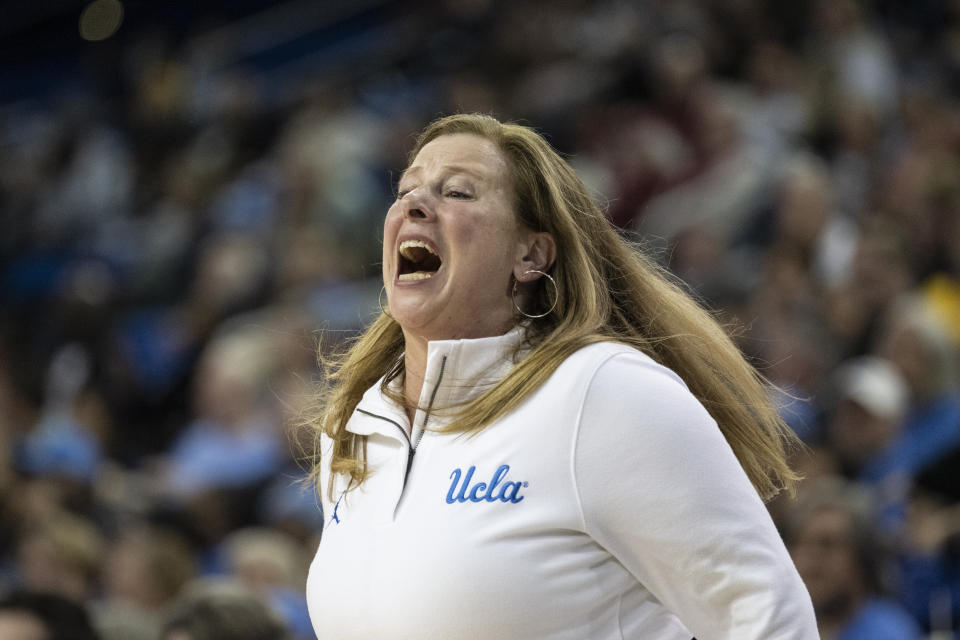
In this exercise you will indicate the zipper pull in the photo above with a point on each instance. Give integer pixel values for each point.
(413, 452)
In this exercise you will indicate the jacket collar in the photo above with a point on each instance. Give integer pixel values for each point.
(457, 371)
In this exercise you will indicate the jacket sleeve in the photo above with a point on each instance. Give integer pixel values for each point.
(663, 492)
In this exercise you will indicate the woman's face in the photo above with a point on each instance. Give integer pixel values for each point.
(451, 242)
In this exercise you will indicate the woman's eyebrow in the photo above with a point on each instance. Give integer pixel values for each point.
(459, 168)
(447, 170)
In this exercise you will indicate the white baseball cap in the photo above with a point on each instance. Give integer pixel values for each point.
(875, 384)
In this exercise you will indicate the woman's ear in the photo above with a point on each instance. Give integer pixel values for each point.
(540, 251)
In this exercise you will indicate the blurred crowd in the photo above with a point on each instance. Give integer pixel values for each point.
(188, 219)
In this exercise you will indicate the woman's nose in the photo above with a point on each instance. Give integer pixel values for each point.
(416, 205)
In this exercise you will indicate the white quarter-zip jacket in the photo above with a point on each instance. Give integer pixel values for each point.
(608, 505)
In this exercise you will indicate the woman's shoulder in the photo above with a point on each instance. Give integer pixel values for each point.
(618, 383)
(616, 361)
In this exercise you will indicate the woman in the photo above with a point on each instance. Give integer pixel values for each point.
(518, 446)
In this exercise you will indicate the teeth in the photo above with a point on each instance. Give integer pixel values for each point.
(406, 245)
(416, 275)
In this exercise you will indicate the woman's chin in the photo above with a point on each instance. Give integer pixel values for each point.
(412, 312)
(424, 322)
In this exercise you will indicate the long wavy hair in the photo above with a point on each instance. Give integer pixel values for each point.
(607, 290)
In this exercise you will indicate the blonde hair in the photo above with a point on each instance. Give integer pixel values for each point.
(607, 290)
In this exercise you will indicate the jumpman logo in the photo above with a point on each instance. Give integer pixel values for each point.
(334, 517)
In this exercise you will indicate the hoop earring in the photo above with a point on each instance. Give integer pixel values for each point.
(380, 304)
(556, 296)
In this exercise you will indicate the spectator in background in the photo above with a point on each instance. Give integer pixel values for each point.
(872, 399)
(273, 566)
(807, 227)
(864, 428)
(225, 611)
(830, 538)
(915, 341)
(234, 445)
(157, 349)
(235, 440)
(145, 569)
(880, 272)
(928, 559)
(30, 615)
(61, 555)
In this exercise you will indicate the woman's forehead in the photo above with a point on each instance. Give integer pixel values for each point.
(462, 152)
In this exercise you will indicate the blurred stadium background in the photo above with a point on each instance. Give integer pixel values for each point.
(190, 195)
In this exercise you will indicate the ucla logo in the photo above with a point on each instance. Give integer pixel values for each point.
(499, 488)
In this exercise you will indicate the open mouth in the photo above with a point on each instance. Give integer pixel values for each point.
(417, 261)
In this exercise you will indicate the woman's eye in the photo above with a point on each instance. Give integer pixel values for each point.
(402, 193)
(457, 195)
